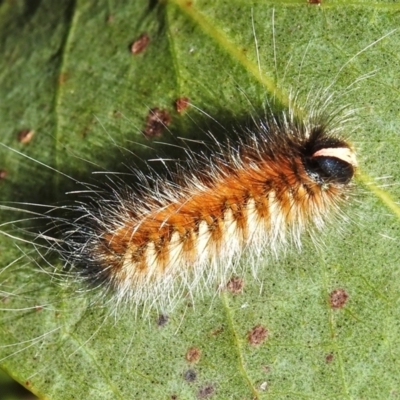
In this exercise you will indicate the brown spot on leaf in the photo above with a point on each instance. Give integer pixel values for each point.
(157, 119)
(174, 397)
(235, 285)
(181, 104)
(329, 358)
(38, 308)
(257, 335)
(314, 2)
(217, 331)
(110, 19)
(25, 135)
(27, 383)
(190, 375)
(62, 78)
(338, 298)
(193, 354)
(206, 392)
(3, 174)
(140, 44)
(162, 320)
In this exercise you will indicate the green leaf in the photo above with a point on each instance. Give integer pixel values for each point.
(67, 73)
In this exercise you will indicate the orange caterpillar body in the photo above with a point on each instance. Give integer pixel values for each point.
(277, 180)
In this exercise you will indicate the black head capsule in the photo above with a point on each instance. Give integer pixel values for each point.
(331, 165)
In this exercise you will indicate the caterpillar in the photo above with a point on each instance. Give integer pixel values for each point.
(272, 183)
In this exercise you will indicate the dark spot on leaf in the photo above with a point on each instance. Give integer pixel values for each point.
(338, 298)
(25, 135)
(206, 392)
(38, 308)
(314, 1)
(3, 174)
(257, 335)
(157, 119)
(193, 354)
(329, 358)
(162, 320)
(189, 303)
(27, 383)
(181, 104)
(174, 397)
(140, 44)
(190, 375)
(235, 285)
(110, 19)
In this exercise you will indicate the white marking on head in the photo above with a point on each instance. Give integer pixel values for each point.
(342, 153)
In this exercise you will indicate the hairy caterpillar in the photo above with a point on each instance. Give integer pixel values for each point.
(276, 181)
(262, 190)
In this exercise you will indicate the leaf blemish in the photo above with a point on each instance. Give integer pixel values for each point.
(190, 375)
(217, 331)
(62, 78)
(235, 285)
(157, 119)
(257, 335)
(162, 320)
(25, 135)
(329, 358)
(338, 298)
(181, 104)
(206, 391)
(140, 44)
(193, 355)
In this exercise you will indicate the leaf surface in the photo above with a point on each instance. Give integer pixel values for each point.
(67, 73)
